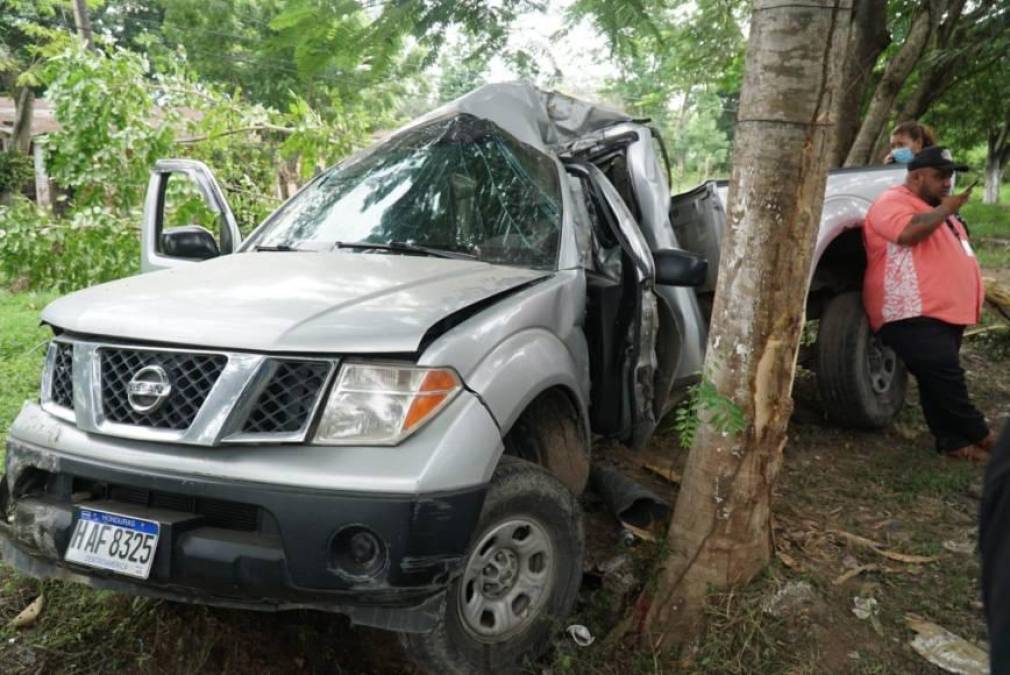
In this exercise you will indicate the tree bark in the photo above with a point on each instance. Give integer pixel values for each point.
(939, 72)
(868, 37)
(997, 154)
(720, 534)
(43, 189)
(83, 22)
(24, 110)
(897, 71)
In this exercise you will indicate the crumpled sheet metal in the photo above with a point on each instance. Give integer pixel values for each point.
(540, 118)
(628, 500)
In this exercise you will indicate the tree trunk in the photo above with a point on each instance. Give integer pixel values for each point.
(897, 71)
(43, 189)
(720, 534)
(997, 153)
(868, 37)
(881, 146)
(993, 178)
(83, 22)
(24, 110)
(939, 73)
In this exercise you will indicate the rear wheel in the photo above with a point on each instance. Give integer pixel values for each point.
(519, 580)
(862, 382)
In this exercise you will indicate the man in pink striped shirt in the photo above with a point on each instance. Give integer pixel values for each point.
(922, 287)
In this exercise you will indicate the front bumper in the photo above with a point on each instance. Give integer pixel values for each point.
(242, 544)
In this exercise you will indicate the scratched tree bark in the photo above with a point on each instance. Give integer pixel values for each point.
(720, 534)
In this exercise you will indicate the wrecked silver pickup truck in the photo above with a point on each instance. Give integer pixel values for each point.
(382, 402)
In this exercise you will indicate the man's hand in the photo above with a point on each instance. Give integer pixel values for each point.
(923, 224)
(953, 203)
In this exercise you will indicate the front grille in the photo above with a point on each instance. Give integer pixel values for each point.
(286, 402)
(215, 512)
(62, 391)
(191, 376)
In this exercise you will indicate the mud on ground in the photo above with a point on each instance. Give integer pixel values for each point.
(838, 488)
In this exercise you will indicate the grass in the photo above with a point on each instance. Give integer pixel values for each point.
(988, 220)
(990, 229)
(22, 350)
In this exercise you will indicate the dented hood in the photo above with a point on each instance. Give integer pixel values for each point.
(288, 301)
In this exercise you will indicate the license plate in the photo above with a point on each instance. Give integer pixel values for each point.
(115, 542)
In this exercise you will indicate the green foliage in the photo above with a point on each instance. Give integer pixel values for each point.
(232, 44)
(459, 76)
(26, 26)
(988, 220)
(39, 251)
(15, 171)
(22, 350)
(680, 65)
(704, 405)
(105, 147)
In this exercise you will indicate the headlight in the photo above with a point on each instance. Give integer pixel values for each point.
(382, 405)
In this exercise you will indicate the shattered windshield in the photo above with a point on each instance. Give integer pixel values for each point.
(460, 184)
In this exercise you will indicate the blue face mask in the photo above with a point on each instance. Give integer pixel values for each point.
(902, 155)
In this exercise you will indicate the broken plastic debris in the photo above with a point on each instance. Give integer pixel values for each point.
(581, 635)
(29, 614)
(944, 649)
(867, 609)
(864, 608)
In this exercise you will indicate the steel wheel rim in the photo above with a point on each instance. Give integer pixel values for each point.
(881, 365)
(507, 580)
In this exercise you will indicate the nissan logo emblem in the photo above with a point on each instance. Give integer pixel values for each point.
(148, 389)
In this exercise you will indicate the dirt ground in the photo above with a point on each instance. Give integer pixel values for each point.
(837, 489)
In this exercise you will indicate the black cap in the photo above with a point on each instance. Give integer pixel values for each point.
(937, 158)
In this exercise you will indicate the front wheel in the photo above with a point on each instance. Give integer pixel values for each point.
(519, 581)
(862, 382)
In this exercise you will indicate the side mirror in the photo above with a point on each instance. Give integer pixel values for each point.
(675, 267)
(191, 241)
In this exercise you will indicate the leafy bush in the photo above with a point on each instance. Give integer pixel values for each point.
(117, 118)
(91, 246)
(15, 171)
(106, 145)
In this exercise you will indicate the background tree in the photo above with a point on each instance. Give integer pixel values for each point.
(936, 45)
(720, 534)
(909, 50)
(680, 65)
(25, 26)
(868, 38)
(459, 76)
(976, 113)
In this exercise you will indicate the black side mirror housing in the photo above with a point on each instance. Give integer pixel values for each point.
(190, 241)
(675, 267)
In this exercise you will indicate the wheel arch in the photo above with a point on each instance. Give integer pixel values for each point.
(552, 431)
(840, 269)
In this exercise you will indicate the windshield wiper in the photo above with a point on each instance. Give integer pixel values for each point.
(279, 247)
(404, 247)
